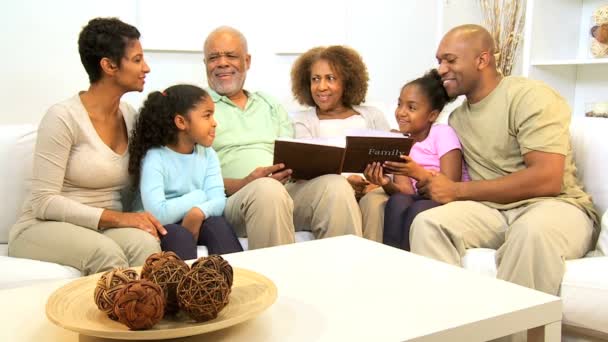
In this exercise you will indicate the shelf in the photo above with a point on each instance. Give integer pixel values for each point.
(578, 61)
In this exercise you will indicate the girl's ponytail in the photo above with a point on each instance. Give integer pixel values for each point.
(155, 126)
(432, 85)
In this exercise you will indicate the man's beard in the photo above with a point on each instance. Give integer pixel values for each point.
(228, 88)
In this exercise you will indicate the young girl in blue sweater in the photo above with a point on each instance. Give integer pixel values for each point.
(178, 173)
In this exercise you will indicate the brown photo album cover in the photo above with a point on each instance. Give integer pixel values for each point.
(310, 158)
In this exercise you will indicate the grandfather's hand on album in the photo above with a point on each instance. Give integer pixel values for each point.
(359, 184)
(276, 171)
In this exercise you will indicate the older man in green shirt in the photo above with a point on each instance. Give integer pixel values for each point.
(259, 205)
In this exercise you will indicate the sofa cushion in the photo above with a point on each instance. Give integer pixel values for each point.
(591, 157)
(602, 241)
(202, 251)
(481, 261)
(16, 155)
(20, 272)
(584, 293)
(301, 236)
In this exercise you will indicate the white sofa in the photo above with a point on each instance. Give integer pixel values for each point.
(584, 289)
(16, 155)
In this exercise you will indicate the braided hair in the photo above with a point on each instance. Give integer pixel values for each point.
(155, 126)
(432, 86)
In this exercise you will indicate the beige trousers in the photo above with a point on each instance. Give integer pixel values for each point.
(372, 212)
(268, 213)
(88, 250)
(532, 241)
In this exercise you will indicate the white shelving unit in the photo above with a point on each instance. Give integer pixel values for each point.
(556, 50)
(578, 61)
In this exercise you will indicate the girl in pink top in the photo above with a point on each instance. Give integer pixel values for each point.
(436, 148)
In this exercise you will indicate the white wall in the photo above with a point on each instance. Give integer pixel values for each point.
(455, 13)
(40, 62)
(41, 66)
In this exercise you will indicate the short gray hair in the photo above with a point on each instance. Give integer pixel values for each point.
(230, 30)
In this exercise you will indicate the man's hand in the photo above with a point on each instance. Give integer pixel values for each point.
(375, 174)
(438, 187)
(406, 168)
(276, 171)
(359, 185)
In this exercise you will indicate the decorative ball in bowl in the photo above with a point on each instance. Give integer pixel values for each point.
(74, 307)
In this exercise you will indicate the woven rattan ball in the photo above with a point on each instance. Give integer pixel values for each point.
(139, 305)
(203, 293)
(154, 259)
(167, 273)
(108, 286)
(217, 263)
(600, 15)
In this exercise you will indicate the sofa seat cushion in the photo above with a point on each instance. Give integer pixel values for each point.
(584, 293)
(481, 261)
(602, 240)
(202, 251)
(21, 272)
(16, 155)
(584, 289)
(301, 236)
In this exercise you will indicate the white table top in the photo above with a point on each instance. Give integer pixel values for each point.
(339, 289)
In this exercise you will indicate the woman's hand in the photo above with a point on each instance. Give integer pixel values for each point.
(193, 220)
(142, 220)
(375, 174)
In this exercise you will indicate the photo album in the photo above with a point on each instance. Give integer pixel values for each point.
(310, 158)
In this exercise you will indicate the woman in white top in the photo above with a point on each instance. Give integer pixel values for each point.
(74, 214)
(333, 82)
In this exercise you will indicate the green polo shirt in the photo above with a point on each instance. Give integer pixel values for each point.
(244, 139)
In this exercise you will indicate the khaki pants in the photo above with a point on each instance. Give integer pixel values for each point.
(268, 213)
(372, 212)
(533, 241)
(88, 250)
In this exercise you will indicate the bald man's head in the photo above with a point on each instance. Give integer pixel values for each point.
(475, 36)
(466, 61)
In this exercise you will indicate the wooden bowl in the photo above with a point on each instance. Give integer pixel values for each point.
(72, 307)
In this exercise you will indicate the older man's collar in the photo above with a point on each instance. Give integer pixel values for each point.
(217, 97)
(214, 96)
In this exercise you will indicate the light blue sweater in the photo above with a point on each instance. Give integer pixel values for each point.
(173, 183)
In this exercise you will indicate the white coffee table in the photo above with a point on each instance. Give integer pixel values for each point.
(345, 289)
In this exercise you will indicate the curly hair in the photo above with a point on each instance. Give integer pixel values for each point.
(344, 61)
(432, 86)
(155, 126)
(104, 38)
